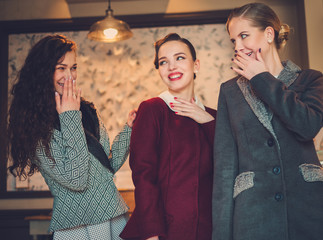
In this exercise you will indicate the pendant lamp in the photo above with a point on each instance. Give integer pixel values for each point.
(109, 29)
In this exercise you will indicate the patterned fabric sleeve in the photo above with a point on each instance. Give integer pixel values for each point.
(69, 150)
(120, 146)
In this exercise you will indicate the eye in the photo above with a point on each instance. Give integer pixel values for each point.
(60, 68)
(74, 68)
(162, 63)
(180, 58)
(243, 36)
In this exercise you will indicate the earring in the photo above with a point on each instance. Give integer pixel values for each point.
(196, 71)
(269, 40)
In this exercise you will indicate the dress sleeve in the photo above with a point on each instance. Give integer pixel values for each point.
(225, 171)
(148, 215)
(299, 107)
(68, 148)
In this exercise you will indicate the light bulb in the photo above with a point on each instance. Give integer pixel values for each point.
(110, 32)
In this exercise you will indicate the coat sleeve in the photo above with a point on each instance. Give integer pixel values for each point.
(225, 171)
(300, 106)
(69, 150)
(120, 147)
(148, 217)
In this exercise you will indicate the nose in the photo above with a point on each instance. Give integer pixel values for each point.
(68, 74)
(172, 65)
(238, 45)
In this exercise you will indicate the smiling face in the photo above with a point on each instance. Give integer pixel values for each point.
(65, 68)
(248, 39)
(176, 67)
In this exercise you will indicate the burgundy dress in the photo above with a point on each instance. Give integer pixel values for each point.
(172, 170)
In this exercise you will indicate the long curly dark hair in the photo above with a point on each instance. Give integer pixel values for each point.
(32, 113)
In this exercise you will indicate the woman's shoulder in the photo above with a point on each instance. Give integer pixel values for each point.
(231, 81)
(151, 110)
(311, 73)
(230, 84)
(309, 77)
(152, 103)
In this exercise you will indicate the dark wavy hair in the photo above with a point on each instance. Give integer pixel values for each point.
(32, 112)
(173, 37)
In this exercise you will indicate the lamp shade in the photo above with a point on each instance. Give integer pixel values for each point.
(109, 29)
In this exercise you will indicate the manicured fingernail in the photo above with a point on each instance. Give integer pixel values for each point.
(176, 112)
(259, 49)
(235, 51)
(232, 59)
(231, 67)
(56, 93)
(175, 97)
(235, 55)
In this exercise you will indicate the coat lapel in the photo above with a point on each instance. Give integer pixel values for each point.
(263, 114)
(288, 75)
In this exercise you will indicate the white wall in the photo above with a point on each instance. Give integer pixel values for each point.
(314, 28)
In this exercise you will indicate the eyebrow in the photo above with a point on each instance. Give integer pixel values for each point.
(176, 54)
(65, 64)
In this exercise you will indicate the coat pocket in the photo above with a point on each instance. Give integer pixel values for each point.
(243, 182)
(311, 172)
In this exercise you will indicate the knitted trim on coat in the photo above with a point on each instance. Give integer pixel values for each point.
(288, 75)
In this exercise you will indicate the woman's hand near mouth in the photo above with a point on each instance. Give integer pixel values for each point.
(249, 66)
(70, 99)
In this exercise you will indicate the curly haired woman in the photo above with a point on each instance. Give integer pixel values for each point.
(54, 131)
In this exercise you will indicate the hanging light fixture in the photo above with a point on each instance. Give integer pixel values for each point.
(109, 29)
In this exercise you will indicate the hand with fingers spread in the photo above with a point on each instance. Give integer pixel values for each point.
(131, 118)
(248, 66)
(191, 110)
(70, 99)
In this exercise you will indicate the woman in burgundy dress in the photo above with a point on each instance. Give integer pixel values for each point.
(171, 153)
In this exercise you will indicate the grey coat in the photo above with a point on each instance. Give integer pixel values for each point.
(268, 181)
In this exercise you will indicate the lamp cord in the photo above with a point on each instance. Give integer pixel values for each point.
(109, 7)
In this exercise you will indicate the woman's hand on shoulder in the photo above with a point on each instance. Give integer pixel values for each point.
(131, 117)
(191, 110)
(153, 238)
(249, 66)
(71, 98)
